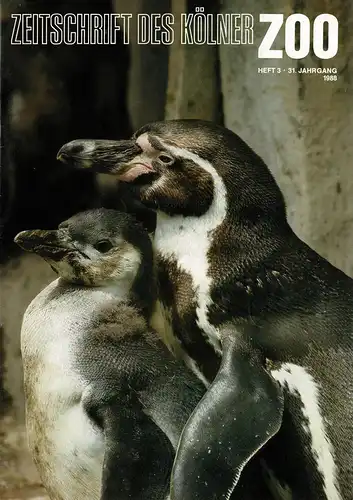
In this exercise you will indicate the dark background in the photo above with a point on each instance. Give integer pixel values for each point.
(58, 93)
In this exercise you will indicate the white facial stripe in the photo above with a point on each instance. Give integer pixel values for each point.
(298, 381)
(145, 144)
(149, 153)
(188, 240)
(188, 155)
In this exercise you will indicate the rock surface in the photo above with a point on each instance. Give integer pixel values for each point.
(300, 125)
(21, 279)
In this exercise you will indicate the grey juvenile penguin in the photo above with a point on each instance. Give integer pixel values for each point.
(105, 400)
(241, 291)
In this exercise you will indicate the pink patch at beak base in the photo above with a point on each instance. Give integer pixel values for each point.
(134, 172)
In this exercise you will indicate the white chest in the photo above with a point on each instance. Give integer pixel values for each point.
(187, 241)
(69, 449)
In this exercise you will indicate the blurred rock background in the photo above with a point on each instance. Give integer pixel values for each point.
(301, 125)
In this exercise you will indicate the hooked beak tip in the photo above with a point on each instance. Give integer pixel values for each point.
(23, 239)
(63, 154)
(38, 241)
(17, 239)
(22, 236)
(74, 151)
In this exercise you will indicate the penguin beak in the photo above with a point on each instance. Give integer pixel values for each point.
(48, 244)
(121, 158)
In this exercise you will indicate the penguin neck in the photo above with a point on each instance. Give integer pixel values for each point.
(180, 237)
(143, 290)
(182, 234)
(120, 290)
(260, 260)
(138, 291)
(234, 212)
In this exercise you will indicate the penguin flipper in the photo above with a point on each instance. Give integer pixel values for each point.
(240, 412)
(138, 456)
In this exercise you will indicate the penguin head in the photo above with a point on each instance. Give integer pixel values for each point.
(94, 248)
(183, 166)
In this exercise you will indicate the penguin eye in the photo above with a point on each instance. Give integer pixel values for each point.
(103, 246)
(166, 159)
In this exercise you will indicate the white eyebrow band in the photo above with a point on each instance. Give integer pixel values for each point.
(143, 142)
(155, 142)
(197, 229)
(188, 155)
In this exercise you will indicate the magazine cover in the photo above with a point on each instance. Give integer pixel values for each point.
(176, 263)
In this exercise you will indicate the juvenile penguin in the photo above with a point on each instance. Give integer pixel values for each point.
(105, 400)
(242, 291)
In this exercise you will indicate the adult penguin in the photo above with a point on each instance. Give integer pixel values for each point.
(240, 289)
